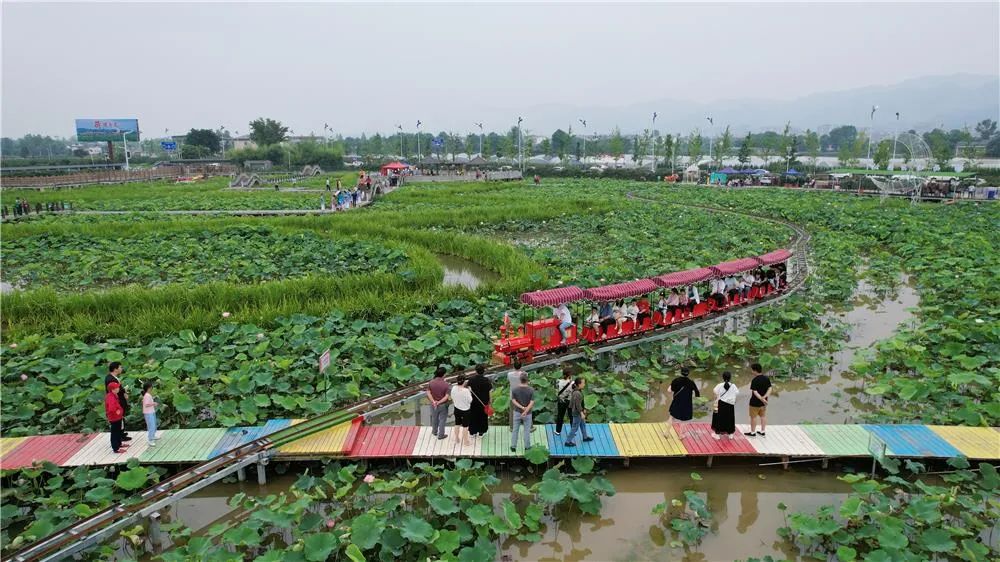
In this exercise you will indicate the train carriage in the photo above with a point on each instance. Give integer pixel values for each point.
(542, 335)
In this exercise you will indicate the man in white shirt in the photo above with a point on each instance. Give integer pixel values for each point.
(565, 319)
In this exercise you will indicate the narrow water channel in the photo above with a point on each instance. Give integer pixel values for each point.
(460, 272)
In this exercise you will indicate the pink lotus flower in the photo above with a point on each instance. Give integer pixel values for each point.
(369, 479)
(330, 523)
(226, 315)
(24, 377)
(13, 346)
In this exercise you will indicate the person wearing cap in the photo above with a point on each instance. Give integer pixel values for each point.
(116, 415)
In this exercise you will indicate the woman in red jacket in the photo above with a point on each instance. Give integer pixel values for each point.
(116, 415)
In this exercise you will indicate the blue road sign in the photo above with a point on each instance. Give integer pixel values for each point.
(168, 145)
(437, 143)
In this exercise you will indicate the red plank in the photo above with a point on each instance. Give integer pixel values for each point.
(352, 434)
(385, 441)
(699, 441)
(56, 449)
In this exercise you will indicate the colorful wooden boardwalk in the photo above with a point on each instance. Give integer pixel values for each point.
(617, 441)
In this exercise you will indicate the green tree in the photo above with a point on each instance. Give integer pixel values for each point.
(561, 143)
(206, 138)
(840, 137)
(695, 146)
(545, 146)
(768, 146)
(725, 145)
(882, 154)
(993, 147)
(812, 146)
(193, 151)
(746, 150)
(986, 129)
(616, 146)
(266, 132)
(941, 147)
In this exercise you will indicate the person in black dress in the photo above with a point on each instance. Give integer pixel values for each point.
(682, 392)
(481, 386)
(724, 416)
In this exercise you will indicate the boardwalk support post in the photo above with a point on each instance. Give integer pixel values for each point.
(241, 474)
(710, 461)
(784, 462)
(261, 473)
(826, 463)
(155, 537)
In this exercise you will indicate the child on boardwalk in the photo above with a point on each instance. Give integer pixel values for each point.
(149, 412)
(116, 415)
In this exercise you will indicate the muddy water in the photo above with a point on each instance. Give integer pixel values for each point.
(828, 398)
(744, 508)
(464, 273)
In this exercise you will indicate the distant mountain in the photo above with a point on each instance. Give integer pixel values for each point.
(924, 103)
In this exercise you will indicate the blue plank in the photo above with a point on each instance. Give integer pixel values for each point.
(913, 441)
(234, 437)
(603, 444)
(274, 425)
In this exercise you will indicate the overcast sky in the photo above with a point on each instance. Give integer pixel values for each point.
(363, 67)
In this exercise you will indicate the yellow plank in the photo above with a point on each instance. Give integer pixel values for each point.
(326, 442)
(647, 440)
(8, 444)
(973, 442)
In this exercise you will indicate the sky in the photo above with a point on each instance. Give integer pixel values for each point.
(368, 67)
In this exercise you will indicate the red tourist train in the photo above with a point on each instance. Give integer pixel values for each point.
(539, 336)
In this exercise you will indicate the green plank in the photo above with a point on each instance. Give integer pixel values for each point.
(839, 440)
(183, 445)
(496, 442)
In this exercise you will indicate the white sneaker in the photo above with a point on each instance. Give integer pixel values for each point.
(152, 443)
(716, 436)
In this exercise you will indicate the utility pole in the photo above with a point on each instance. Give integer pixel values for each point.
(711, 126)
(652, 147)
(895, 138)
(584, 123)
(871, 127)
(520, 156)
(125, 149)
(400, 127)
(480, 125)
(418, 141)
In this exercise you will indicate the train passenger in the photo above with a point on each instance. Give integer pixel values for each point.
(461, 396)
(594, 320)
(693, 297)
(748, 282)
(632, 313)
(731, 287)
(772, 278)
(481, 387)
(643, 314)
(674, 302)
(607, 315)
(619, 312)
(718, 289)
(565, 319)
(662, 304)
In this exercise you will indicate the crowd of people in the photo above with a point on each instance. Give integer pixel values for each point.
(22, 207)
(472, 400)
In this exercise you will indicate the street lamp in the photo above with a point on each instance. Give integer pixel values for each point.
(480, 125)
(895, 137)
(125, 149)
(222, 137)
(871, 128)
(400, 127)
(583, 122)
(652, 149)
(711, 125)
(418, 141)
(520, 156)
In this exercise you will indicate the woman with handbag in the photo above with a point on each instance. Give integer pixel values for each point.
(481, 409)
(724, 411)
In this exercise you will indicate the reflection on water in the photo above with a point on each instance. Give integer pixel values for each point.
(744, 507)
(827, 398)
(461, 272)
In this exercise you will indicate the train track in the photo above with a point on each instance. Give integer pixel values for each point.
(101, 526)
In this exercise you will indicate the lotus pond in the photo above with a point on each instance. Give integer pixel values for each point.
(234, 341)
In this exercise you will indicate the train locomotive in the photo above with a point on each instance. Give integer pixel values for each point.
(542, 336)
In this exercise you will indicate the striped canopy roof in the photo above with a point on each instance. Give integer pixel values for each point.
(774, 257)
(621, 290)
(736, 266)
(687, 277)
(550, 297)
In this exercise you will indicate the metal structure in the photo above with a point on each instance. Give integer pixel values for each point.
(918, 156)
(97, 528)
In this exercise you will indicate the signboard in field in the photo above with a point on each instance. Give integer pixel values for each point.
(168, 145)
(91, 130)
(324, 361)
